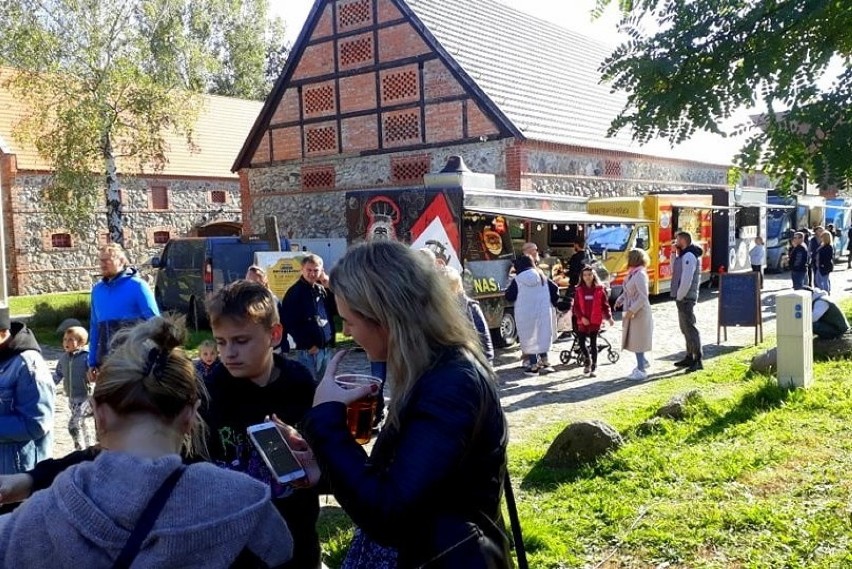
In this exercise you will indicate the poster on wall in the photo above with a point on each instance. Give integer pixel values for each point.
(423, 218)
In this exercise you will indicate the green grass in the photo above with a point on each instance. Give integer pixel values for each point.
(25, 305)
(756, 477)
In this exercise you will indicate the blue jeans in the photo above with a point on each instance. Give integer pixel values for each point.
(641, 362)
(316, 363)
(799, 279)
(822, 281)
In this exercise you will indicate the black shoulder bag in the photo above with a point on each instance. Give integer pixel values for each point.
(147, 519)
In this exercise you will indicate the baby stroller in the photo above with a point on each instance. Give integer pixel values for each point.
(575, 353)
(565, 329)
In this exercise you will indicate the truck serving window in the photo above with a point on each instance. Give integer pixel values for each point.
(609, 237)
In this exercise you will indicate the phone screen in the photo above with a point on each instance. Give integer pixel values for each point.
(279, 456)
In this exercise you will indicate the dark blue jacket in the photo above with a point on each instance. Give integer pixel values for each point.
(300, 309)
(433, 480)
(799, 258)
(477, 318)
(118, 302)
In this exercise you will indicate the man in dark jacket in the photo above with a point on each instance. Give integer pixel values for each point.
(121, 299)
(813, 246)
(309, 318)
(686, 276)
(578, 260)
(799, 261)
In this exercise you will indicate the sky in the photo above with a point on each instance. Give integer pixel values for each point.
(572, 14)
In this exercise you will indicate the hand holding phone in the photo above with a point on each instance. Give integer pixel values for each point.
(276, 453)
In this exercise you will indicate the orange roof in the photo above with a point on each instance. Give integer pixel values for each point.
(222, 127)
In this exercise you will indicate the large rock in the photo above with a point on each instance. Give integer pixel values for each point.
(678, 406)
(765, 362)
(581, 443)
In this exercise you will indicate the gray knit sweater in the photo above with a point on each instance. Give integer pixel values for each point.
(86, 516)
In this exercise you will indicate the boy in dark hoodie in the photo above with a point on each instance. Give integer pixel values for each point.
(26, 399)
(71, 371)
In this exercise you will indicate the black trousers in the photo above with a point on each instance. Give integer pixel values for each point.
(590, 354)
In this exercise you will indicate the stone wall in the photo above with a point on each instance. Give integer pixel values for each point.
(612, 175)
(38, 266)
(278, 190)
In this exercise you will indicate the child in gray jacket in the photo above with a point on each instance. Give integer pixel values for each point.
(71, 371)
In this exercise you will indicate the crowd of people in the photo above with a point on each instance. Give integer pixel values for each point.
(164, 472)
(172, 478)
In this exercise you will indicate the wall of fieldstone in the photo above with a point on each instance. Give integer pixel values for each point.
(277, 190)
(37, 266)
(603, 175)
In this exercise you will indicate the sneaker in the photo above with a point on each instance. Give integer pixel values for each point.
(638, 374)
(531, 370)
(685, 362)
(696, 365)
(592, 371)
(587, 369)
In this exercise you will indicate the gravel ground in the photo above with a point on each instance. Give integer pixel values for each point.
(532, 403)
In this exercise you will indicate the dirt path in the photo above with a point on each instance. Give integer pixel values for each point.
(533, 403)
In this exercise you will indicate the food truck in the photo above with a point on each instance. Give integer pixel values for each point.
(476, 228)
(656, 219)
(786, 214)
(838, 211)
(739, 215)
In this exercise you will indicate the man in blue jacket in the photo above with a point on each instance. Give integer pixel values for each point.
(799, 261)
(26, 399)
(121, 299)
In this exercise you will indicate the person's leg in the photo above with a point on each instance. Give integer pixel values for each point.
(593, 348)
(581, 337)
(307, 359)
(641, 362)
(798, 279)
(683, 324)
(693, 336)
(322, 358)
(75, 424)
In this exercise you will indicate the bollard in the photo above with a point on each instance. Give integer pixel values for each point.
(795, 339)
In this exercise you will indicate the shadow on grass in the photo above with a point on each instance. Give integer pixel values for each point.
(769, 396)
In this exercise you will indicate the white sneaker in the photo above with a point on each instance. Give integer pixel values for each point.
(638, 374)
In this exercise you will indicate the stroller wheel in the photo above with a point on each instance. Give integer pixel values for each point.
(612, 356)
(564, 356)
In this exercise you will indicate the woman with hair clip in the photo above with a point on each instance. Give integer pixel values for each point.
(429, 493)
(137, 503)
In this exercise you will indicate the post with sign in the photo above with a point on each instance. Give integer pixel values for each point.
(795, 339)
(739, 304)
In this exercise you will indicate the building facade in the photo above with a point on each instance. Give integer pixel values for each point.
(377, 93)
(195, 188)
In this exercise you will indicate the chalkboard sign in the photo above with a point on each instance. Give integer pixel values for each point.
(739, 302)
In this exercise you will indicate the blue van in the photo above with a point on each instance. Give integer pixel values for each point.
(191, 268)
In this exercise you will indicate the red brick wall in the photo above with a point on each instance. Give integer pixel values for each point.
(12, 227)
(246, 203)
(516, 162)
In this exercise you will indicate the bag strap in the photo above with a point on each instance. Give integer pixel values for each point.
(147, 519)
(515, 521)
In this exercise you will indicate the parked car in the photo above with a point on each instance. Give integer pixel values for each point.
(191, 268)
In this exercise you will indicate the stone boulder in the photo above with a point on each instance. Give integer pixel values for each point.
(651, 426)
(581, 443)
(765, 362)
(678, 406)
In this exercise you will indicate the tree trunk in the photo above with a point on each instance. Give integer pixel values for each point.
(115, 219)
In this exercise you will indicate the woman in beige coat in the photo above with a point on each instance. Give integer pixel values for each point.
(638, 324)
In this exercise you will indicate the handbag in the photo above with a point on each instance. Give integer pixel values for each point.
(147, 519)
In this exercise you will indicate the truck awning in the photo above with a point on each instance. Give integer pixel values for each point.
(767, 205)
(554, 216)
(687, 205)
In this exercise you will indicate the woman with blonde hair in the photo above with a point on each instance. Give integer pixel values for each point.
(824, 262)
(429, 493)
(637, 328)
(137, 503)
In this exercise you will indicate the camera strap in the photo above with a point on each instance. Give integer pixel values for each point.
(147, 519)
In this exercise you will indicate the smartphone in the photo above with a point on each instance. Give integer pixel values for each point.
(276, 453)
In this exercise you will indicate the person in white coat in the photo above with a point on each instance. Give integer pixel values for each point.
(534, 296)
(637, 329)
